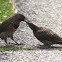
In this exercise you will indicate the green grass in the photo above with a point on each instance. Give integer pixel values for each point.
(60, 49)
(6, 9)
(14, 48)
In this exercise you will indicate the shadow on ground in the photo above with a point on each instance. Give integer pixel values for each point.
(49, 48)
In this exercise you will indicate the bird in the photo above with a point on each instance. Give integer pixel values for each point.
(9, 26)
(44, 35)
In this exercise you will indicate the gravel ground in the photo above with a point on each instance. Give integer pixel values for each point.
(32, 56)
(45, 13)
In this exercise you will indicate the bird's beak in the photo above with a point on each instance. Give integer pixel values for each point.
(26, 20)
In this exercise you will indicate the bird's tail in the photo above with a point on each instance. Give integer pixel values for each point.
(59, 42)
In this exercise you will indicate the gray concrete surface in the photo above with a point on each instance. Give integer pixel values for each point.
(45, 13)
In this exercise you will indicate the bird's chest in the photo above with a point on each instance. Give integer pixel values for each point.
(39, 35)
(7, 33)
(10, 31)
(42, 36)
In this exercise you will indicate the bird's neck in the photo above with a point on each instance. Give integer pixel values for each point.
(33, 27)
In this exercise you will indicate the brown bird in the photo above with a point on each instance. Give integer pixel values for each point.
(45, 35)
(9, 26)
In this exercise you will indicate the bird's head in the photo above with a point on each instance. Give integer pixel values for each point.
(17, 18)
(31, 25)
(20, 17)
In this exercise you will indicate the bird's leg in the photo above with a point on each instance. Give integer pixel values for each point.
(5, 39)
(47, 45)
(14, 40)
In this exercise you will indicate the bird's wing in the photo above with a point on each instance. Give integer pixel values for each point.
(5, 26)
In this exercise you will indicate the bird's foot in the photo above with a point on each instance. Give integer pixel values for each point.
(16, 43)
(43, 46)
(19, 44)
(47, 46)
(7, 44)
